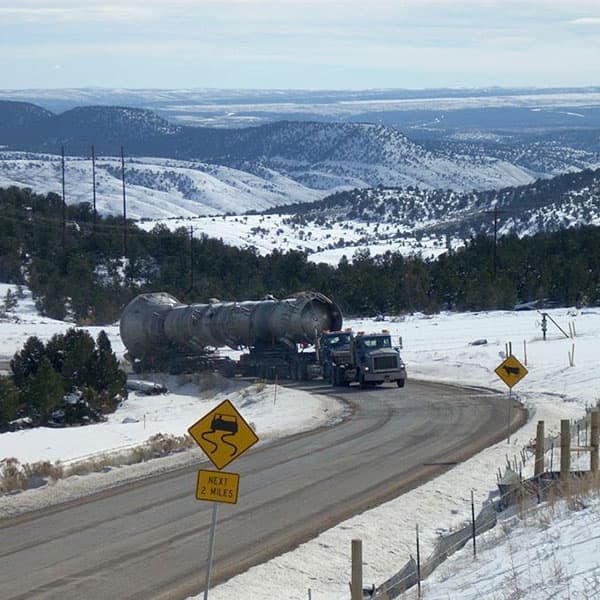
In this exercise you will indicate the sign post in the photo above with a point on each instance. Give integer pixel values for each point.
(511, 371)
(224, 435)
(211, 548)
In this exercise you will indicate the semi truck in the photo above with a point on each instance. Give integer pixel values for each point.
(297, 338)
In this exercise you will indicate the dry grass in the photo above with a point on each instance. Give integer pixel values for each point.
(15, 476)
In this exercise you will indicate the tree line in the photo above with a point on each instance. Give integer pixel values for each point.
(79, 272)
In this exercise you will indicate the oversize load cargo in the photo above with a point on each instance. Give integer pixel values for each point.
(157, 323)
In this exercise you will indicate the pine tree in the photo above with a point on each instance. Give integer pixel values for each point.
(10, 302)
(9, 402)
(43, 392)
(27, 362)
(107, 379)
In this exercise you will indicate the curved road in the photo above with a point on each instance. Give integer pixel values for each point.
(150, 539)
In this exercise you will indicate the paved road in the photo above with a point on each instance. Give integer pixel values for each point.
(150, 540)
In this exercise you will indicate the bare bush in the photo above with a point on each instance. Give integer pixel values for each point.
(15, 476)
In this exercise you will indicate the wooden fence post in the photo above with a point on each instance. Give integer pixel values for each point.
(418, 563)
(595, 417)
(357, 563)
(565, 450)
(539, 449)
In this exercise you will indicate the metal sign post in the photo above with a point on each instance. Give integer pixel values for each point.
(211, 548)
(509, 413)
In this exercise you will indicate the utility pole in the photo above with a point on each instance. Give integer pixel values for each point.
(94, 185)
(64, 204)
(124, 204)
(191, 258)
(495, 212)
(495, 239)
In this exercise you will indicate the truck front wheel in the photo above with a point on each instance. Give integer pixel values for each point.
(400, 382)
(361, 380)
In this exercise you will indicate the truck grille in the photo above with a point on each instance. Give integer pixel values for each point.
(385, 363)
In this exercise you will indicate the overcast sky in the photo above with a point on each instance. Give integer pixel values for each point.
(298, 43)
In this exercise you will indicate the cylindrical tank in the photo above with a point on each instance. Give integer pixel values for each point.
(153, 324)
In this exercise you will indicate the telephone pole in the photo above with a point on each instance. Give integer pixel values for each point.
(191, 258)
(94, 186)
(124, 204)
(64, 204)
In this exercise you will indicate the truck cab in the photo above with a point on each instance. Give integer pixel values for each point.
(369, 360)
(330, 342)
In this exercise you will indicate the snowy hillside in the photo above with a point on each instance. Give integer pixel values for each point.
(365, 155)
(409, 221)
(156, 188)
(323, 241)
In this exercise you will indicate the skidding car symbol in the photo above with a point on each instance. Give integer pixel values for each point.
(227, 425)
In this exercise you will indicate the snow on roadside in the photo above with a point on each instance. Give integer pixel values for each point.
(552, 553)
(273, 411)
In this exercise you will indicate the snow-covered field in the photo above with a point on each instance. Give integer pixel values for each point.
(562, 553)
(325, 243)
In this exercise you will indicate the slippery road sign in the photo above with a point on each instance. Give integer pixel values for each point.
(511, 371)
(223, 434)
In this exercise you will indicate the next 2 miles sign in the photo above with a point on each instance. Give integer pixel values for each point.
(217, 486)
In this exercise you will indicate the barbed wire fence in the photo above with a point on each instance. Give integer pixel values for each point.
(517, 495)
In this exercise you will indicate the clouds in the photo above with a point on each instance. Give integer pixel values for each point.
(300, 43)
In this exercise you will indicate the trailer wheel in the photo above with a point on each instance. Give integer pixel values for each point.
(303, 368)
(338, 376)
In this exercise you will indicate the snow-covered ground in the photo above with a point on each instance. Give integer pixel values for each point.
(325, 243)
(561, 553)
(156, 187)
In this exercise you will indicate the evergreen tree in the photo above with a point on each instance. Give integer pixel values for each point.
(10, 302)
(27, 362)
(9, 402)
(106, 377)
(43, 392)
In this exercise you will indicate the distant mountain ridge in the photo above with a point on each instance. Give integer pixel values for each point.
(317, 155)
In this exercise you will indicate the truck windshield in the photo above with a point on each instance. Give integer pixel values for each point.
(377, 342)
(343, 339)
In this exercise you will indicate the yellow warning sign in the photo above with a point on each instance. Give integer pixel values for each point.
(223, 434)
(217, 486)
(511, 371)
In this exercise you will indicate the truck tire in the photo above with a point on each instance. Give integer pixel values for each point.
(361, 380)
(400, 383)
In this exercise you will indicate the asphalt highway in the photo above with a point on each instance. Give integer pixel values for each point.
(150, 539)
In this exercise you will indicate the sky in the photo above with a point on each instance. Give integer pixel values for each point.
(558, 558)
(298, 44)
